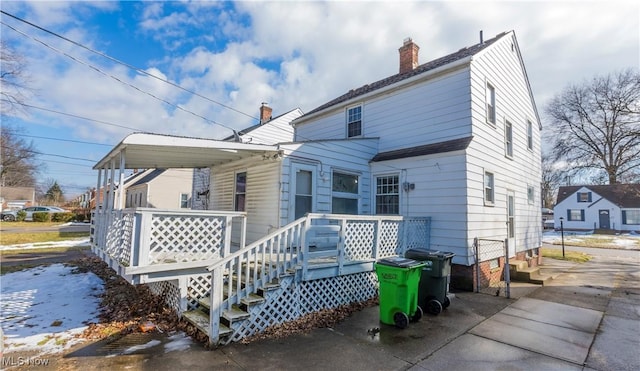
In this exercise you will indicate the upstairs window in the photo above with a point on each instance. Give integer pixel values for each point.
(508, 139)
(354, 122)
(184, 200)
(489, 191)
(529, 135)
(241, 191)
(491, 104)
(584, 196)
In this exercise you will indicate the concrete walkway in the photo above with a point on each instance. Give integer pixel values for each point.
(588, 318)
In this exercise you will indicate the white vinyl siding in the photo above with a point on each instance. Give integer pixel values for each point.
(421, 114)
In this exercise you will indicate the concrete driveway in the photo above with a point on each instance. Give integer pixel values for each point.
(587, 318)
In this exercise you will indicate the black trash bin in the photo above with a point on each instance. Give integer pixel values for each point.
(434, 279)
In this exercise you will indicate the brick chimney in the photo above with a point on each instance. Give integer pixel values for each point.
(265, 113)
(408, 55)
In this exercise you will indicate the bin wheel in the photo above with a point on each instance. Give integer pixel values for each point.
(417, 315)
(401, 320)
(434, 307)
(446, 302)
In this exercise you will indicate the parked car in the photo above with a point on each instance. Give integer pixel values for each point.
(9, 215)
(12, 215)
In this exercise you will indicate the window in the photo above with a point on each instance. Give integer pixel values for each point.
(508, 139)
(388, 195)
(354, 122)
(184, 200)
(304, 193)
(530, 194)
(575, 215)
(529, 135)
(241, 191)
(345, 193)
(584, 196)
(489, 192)
(631, 217)
(491, 104)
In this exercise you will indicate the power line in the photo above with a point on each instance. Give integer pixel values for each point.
(128, 65)
(176, 106)
(61, 140)
(78, 117)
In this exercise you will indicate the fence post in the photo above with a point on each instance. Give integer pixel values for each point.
(507, 272)
(475, 245)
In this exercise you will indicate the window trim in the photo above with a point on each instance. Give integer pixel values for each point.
(569, 216)
(346, 195)
(624, 217)
(491, 202)
(529, 135)
(531, 194)
(348, 122)
(376, 194)
(490, 103)
(236, 193)
(186, 200)
(588, 198)
(508, 139)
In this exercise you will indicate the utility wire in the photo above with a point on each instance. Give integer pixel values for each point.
(176, 106)
(61, 140)
(128, 65)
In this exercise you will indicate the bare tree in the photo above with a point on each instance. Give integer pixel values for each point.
(596, 126)
(552, 177)
(13, 78)
(18, 164)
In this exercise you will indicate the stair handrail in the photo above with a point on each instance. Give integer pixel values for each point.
(281, 244)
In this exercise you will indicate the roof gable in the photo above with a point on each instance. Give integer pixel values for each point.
(623, 195)
(423, 68)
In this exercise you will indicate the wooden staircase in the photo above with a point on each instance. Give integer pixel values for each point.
(519, 270)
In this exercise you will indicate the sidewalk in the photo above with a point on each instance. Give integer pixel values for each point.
(586, 319)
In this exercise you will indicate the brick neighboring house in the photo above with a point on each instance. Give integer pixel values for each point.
(16, 198)
(605, 207)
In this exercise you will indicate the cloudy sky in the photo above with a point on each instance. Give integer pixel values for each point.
(289, 54)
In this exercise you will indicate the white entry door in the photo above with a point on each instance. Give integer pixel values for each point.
(511, 222)
(302, 191)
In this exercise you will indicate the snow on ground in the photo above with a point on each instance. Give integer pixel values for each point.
(43, 308)
(621, 241)
(47, 245)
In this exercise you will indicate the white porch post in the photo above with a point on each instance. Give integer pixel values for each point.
(120, 199)
(97, 225)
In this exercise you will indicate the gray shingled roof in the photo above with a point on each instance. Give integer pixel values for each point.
(623, 195)
(460, 54)
(427, 149)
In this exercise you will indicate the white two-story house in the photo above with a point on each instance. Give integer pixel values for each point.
(458, 139)
(440, 155)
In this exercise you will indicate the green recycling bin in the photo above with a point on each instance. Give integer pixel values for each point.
(399, 278)
(434, 279)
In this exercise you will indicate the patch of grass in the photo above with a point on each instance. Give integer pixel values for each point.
(16, 238)
(573, 256)
(27, 225)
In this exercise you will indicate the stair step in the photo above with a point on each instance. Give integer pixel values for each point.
(518, 265)
(201, 320)
(252, 299)
(235, 314)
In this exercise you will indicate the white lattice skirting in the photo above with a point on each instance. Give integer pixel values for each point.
(293, 300)
(169, 291)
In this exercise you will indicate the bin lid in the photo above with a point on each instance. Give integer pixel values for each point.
(421, 254)
(396, 261)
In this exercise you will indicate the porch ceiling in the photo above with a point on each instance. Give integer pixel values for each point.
(152, 151)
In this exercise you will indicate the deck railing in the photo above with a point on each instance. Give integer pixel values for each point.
(146, 240)
(329, 239)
